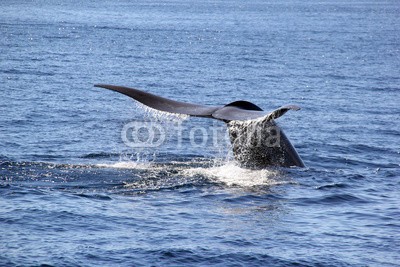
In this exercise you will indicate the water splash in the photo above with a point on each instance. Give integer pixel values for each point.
(161, 115)
(233, 175)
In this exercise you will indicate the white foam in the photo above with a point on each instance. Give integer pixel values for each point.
(229, 173)
(233, 175)
(127, 165)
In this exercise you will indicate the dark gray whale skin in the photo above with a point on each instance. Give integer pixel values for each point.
(257, 144)
(257, 141)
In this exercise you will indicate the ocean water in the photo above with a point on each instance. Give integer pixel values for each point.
(73, 193)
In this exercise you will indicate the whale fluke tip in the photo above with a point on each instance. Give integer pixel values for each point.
(293, 107)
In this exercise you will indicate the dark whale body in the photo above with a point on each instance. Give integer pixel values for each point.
(257, 140)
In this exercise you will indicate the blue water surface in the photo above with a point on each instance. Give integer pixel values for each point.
(72, 193)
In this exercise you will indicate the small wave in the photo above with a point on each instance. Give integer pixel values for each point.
(100, 155)
(233, 175)
(27, 72)
(58, 37)
(332, 186)
(205, 257)
(94, 196)
(4, 159)
(342, 198)
(362, 148)
(113, 28)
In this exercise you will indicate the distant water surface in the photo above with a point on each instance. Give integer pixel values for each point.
(73, 194)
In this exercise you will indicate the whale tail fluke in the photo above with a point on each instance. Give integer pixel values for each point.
(256, 140)
(161, 103)
(235, 111)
